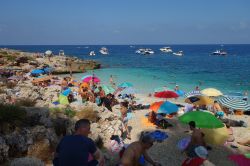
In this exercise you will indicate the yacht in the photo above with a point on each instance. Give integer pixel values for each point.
(104, 51)
(61, 53)
(219, 52)
(179, 53)
(166, 49)
(92, 53)
(144, 51)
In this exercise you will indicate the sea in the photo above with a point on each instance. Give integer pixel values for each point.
(230, 74)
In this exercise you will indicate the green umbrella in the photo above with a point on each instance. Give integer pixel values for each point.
(201, 119)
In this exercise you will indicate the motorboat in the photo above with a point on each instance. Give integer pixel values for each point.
(92, 53)
(166, 49)
(61, 53)
(179, 53)
(219, 52)
(144, 51)
(104, 51)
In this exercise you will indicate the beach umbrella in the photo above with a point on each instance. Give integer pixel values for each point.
(156, 105)
(234, 103)
(107, 89)
(125, 85)
(216, 136)
(128, 91)
(86, 77)
(199, 100)
(37, 71)
(180, 92)
(90, 78)
(201, 119)
(48, 52)
(84, 85)
(166, 94)
(48, 69)
(193, 93)
(211, 92)
(164, 107)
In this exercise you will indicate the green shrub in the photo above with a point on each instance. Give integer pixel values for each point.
(70, 113)
(12, 114)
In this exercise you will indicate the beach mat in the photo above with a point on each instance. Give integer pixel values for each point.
(145, 122)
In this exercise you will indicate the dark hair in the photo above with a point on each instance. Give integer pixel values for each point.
(124, 104)
(215, 101)
(82, 123)
(147, 139)
(192, 124)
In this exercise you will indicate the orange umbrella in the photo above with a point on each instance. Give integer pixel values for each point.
(84, 85)
(156, 105)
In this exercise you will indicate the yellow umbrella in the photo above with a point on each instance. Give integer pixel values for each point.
(199, 100)
(216, 136)
(211, 92)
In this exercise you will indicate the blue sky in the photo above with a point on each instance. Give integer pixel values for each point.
(124, 21)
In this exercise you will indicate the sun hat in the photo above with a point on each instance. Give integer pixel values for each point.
(201, 152)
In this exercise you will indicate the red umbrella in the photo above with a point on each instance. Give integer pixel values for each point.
(166, 94)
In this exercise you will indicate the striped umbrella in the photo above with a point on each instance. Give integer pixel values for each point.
(193, 93)
(234, 103)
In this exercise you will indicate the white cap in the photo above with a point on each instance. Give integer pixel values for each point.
(201, 151)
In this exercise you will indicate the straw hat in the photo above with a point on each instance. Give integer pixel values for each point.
(201, 152)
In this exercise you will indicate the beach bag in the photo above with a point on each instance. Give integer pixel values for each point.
(197, 161)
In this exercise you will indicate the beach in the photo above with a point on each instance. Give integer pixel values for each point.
(46, 112)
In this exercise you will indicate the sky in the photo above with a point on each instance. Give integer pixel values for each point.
(69, 22)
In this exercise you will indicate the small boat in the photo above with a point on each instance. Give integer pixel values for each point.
(61, 53)
(92, 53)
(219, 52)
(104, 51)
(166, 49)
(144, 51)
(179, 53)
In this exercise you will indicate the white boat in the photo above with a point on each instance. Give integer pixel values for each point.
(104, 51)
(166, 49)
(61, 53)
(219, 52)
(92, 53)
(179, 53)
(144, 51)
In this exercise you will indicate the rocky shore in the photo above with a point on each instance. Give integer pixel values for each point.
(25, 61)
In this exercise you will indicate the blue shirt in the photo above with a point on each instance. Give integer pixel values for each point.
(74, 150)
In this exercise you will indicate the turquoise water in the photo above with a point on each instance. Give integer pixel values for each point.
(196, 67)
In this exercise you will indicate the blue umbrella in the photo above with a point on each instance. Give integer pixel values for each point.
(66, 92)
(125, 85)
(128, 91)
(180, 92)
(37, 71)
(167, 108)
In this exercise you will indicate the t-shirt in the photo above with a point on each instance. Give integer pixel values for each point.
(74, 150)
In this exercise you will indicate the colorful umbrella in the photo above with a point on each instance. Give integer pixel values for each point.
(211, 92)
(201, 119)
(234, 103)
(90, 78)
(199, 100)
(166, 94)
(37, 71)
(125, 85)
(216, 136)
(164, 107)
(107, 89)
(193, 93)
(180, 92)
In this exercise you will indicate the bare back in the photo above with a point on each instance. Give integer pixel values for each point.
(132, 154)
(197, 138)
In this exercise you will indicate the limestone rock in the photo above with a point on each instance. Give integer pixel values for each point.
(27, 161)
(4, 149)
(41, 150)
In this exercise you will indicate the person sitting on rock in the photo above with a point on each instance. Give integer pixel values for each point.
(78, 149)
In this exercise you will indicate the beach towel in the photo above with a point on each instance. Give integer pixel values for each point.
(146, 123)
(183, 143)
(159, 136)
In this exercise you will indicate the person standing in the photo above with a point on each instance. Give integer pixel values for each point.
(76, 149)
(124, 112)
